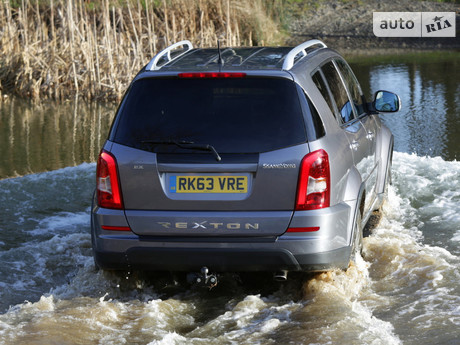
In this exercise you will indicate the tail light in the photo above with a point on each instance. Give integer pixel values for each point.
(314, 187)
(107, 185)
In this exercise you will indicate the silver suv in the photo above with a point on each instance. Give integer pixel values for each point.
(241, 159)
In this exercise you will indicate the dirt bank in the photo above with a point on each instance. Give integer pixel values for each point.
(347, 26)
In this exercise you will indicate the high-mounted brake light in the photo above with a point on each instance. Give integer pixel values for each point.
(212, 75)
(314, 187)
(107, 185)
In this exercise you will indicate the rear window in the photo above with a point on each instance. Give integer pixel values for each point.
(245, 115)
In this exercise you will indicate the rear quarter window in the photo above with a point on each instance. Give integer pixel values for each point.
(321, 85)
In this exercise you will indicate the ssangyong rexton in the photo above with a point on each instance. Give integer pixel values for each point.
(241, 159)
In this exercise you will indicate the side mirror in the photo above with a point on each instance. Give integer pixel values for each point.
(386, 102)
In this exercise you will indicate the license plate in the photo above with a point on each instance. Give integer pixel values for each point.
(208, 184)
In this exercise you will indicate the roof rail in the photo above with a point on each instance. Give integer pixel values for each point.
(301, 48)
(166, 53)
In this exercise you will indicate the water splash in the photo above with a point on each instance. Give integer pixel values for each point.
(403, 290)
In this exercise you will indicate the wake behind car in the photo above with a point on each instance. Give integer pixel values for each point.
(241, 159)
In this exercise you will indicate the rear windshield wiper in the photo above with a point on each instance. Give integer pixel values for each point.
(185, 145)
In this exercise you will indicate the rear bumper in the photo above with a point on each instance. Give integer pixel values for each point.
(318, 251)
(220, 260)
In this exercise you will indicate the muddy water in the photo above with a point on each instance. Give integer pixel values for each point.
(404, 290)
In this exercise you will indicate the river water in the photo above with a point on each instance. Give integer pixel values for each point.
(404, 290)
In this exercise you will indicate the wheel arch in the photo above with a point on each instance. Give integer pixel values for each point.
(385, 155)
(355, 195)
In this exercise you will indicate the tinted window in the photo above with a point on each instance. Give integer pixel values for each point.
(241, 115)
(320, 84)
(352, 85)
(338, 91)
(316, 120)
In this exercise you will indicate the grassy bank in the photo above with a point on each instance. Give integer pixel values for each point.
(60, 48)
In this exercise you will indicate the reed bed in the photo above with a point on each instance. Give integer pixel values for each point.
(58, 49)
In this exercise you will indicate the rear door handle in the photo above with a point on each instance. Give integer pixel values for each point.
(370, 135)
(354, 145)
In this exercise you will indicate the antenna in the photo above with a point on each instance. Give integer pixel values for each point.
(219, 60)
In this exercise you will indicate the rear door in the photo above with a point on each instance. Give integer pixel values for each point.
(332, 86)
(169, 136)
(369, 124)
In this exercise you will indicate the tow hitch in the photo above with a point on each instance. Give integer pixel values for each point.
(203, 279)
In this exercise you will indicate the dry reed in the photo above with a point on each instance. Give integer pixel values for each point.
(61, 48)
